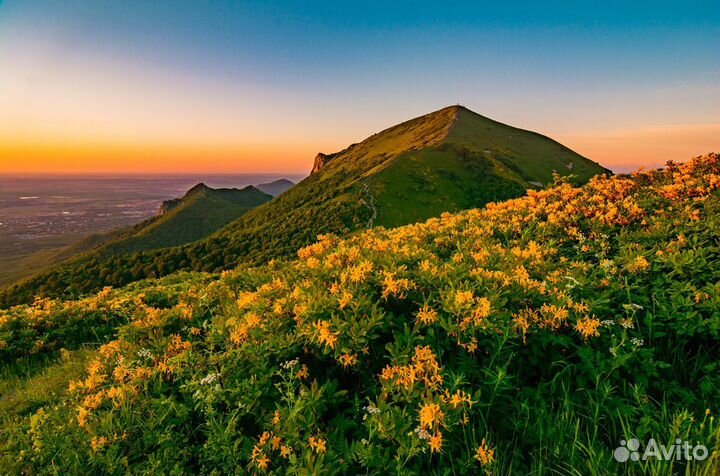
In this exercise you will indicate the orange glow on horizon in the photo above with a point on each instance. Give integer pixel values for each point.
(629, 150)
(623, 150)
(124, 158)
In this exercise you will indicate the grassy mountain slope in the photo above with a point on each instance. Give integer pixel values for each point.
(527, 337)
(445, 161)
(199, 213)
(479, 160)
(202, 211)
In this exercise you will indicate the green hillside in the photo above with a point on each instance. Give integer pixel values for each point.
(531, 336)
(479, 160)
(446, 161)
(199, 213)
(202, 211)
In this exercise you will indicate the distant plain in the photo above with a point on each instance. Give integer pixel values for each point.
(40, 215)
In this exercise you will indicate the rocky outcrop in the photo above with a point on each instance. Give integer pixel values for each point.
(169, 205)
(320, 161)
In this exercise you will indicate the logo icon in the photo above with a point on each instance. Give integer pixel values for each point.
(628, 450)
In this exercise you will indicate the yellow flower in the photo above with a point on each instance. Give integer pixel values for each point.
(483, 308)
(276, 418)
(458, 398)
(245, 299)
(701, 296)
(426, 315)
(303, 373)
(430, 415)
(325, 336)
(435, 442)
(553, 316)
(393, 286)
(424, 367)
(462, 298)
(345, 300)
(638, 264)
(92, 402)
(259, 458)
(484, 454)
(318, 445)
(262, 462)
(588, 327)
(110, 349)
(348, 360)
(98, 443)
(82, 417)
(471, 346)
(427, 267)
(358, 274)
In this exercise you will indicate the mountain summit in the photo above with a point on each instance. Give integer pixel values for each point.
(449, 160)
(445, 161)
(460, 128)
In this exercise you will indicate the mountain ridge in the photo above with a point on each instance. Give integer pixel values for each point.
(448, 160)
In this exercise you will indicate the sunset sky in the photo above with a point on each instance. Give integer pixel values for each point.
(236, 86)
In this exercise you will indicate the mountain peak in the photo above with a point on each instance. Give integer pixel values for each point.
(201, 187)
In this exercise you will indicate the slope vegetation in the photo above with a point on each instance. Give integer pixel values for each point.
(484, 342)
(202, 211)
(446, 161)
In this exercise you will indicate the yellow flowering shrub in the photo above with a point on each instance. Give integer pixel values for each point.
(484, 341)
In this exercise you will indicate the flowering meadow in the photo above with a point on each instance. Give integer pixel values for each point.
(527, 337)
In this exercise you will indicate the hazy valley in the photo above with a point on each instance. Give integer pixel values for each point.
(41, 216)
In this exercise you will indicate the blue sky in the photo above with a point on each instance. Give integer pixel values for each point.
(283, 79)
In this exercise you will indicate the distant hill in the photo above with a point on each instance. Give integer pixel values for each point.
(200, 212)
(196, 215)
(445, 161)
(276, 187)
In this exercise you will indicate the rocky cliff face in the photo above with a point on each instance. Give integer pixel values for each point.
(320, 161)
(169, 205)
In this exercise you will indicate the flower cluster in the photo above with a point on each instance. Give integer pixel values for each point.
(397, 350)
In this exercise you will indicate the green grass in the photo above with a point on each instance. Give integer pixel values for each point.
(430, 182)
(30, 383)
(527, 155)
